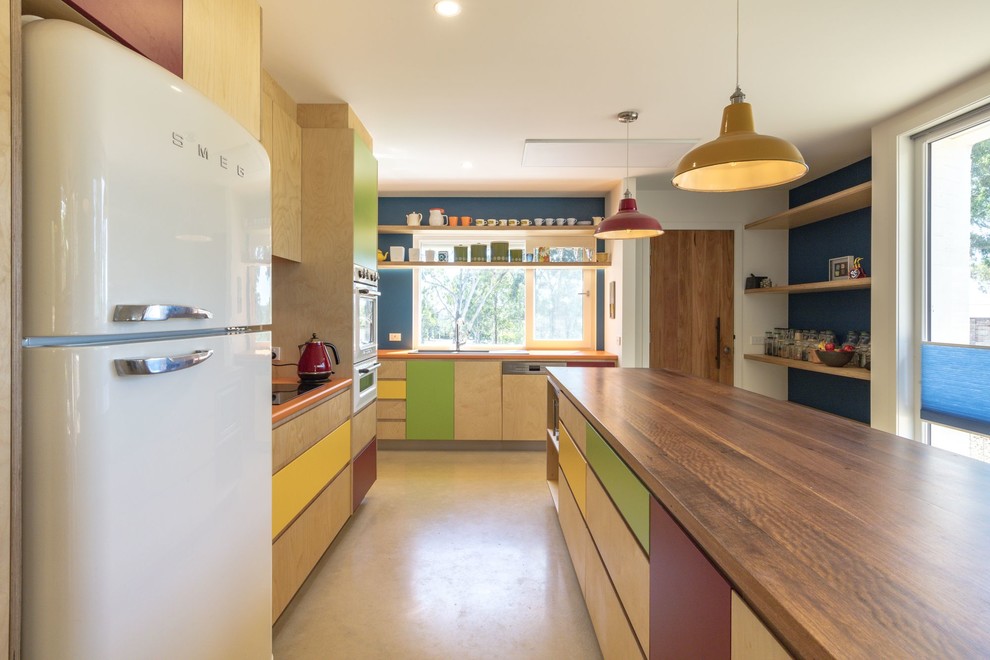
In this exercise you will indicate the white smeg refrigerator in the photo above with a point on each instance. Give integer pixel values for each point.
(147, 422)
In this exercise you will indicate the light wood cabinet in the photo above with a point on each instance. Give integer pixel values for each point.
(524, 407)
(282, 138)
(363, 428)
(575, 533)
(477, 400)
(628, 566)
(615, 635)
(221, 56)
(573, 420)
(296, 552)
(573, 465)
(750, 638)
(298, 434)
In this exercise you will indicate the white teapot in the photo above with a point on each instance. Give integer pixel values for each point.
(413, 219)
(437, 218)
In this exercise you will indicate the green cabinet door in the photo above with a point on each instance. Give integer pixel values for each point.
(365, 205)
(626, 490)
(430, 400)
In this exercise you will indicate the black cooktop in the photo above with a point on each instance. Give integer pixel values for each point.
(283, 393)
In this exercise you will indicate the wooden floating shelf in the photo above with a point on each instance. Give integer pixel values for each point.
(845, 372)
(846, 201)
(477, 232)
(398, 265)
(817, 287)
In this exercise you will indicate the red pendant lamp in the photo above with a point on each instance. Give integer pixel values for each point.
(628, 222)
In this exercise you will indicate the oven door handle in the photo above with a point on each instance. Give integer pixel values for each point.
(369, 292)
(367, 370)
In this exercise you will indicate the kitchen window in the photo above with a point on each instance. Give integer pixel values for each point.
(955, 347)
(504, 307)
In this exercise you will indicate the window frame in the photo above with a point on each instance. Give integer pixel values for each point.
(922, 142)
(590, 334)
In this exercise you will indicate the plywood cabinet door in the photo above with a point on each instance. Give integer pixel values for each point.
(153, 29)
(365, 204)
(477, 400)
(430, 400)
(221, 56)
(524, 407)
(282, 139)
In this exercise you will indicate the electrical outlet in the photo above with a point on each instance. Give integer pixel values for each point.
(395, 336)
(756, 341)
(276, 353)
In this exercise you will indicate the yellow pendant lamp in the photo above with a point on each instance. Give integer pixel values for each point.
(739, 158)
(628, 222)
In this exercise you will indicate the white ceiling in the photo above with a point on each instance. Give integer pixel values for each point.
(436, 92)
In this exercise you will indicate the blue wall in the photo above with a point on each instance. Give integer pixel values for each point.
(395, 309)
(810, 248)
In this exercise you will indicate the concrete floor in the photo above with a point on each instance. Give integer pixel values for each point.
(454, 554)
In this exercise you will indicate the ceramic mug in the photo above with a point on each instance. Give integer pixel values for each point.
(538, 222)
(492, 222)
(572, 221)
(525, 222)
(597, 219)
(454, 220)
(466, 220)
(513, 222)
(503, 222)
(480, 222)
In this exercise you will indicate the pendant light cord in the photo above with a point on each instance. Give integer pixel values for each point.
(737, 45)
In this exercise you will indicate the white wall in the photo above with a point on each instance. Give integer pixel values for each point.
(760, 252)
(896, 255)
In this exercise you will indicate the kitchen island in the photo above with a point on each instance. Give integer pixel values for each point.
(843, 540)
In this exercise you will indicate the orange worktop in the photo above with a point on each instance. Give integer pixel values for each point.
(563, 355)
(289, 409)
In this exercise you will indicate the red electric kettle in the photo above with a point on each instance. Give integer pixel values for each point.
(314, 360)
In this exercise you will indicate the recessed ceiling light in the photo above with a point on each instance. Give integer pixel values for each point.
(467, 165)
(447, 8)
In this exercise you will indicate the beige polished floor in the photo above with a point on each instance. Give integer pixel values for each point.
(452, 555)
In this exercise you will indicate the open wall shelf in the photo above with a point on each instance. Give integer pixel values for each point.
(399, 265)
(476, 233)
(817, 287)
(844, 372)
(845, 201)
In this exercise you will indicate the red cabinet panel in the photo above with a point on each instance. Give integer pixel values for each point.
(690, 601)
(365, 471)
(151, 27)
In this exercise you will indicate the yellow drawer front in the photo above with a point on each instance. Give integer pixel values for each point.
(391, 389)
(576, 469)
(295, 485)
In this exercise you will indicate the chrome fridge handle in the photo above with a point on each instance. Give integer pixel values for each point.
(159, 365)
(158, 312)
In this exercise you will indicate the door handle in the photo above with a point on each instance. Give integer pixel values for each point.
(159, 365)
(368, 370)
(718, 342)
(158, 313)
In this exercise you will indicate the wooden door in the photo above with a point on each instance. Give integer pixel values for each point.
(691, 276)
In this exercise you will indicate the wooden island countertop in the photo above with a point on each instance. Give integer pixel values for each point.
(847, 541)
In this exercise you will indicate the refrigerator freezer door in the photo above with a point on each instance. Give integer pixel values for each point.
(147, 502)
(138, 191)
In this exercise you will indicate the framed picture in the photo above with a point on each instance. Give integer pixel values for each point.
(838, 268)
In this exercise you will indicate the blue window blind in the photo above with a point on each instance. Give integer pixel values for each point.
(955, 386)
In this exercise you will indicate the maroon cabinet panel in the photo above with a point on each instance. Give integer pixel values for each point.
(364, 472)
(690, 602)
(151, 27)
